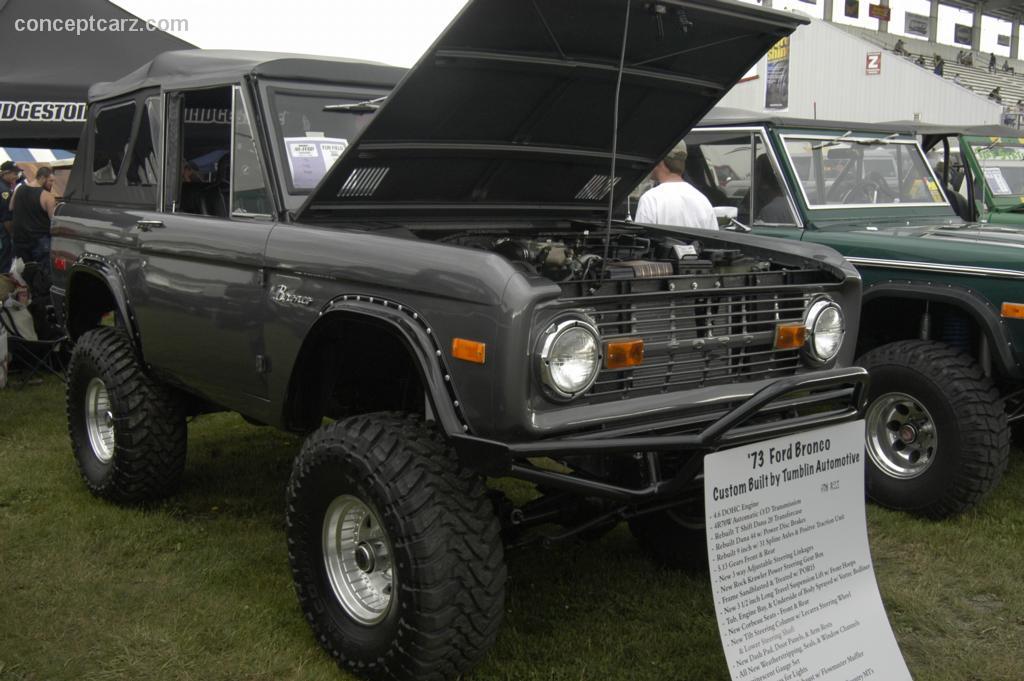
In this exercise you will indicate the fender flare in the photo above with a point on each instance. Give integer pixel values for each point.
(99, 268)
(419, 339)
(978, 308)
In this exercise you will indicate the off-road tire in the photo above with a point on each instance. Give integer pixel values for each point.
(674, 544)
(150, 432)
(973, 435)
(448, 558)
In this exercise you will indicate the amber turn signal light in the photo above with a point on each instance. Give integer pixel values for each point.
(624, 354)
(790, 336)
(469, 351)
(1013, 310)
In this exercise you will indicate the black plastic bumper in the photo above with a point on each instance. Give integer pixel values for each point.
(846, 386)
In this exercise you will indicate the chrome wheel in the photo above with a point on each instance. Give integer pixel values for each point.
(99, 420)
(357, 554)
(901, 436)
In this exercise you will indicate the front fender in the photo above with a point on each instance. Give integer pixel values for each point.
(420, 341)
(983, 312)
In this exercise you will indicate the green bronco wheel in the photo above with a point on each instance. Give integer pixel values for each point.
(937, 439)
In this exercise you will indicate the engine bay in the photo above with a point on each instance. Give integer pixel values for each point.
(584, 256)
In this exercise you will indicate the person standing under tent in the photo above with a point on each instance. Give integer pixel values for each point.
(33, 209)
(8, 179)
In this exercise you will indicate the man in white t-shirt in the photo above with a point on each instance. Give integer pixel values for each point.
(673, 201)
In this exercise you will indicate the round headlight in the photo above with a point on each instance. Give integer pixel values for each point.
(570, 358)
(827, 328)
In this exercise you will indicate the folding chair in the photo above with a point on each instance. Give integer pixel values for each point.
(34, 357)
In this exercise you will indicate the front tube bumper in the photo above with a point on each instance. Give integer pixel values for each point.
(848, 386)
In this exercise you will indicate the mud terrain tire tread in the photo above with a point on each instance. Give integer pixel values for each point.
(449, 558)
(150, 432)
(979, 421)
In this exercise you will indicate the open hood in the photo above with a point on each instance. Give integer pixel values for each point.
(511, 110)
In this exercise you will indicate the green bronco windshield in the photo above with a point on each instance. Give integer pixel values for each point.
(848, 170)
(1002, 163)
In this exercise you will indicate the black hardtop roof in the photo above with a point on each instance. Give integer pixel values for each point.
(726, 116)
(190, 68)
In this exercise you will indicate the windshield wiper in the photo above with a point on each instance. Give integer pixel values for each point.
(997, 143)
(833, 142)
(369, 106)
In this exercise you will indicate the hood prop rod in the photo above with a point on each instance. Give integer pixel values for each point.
(615, 143)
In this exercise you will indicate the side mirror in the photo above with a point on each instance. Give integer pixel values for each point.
(727, 218)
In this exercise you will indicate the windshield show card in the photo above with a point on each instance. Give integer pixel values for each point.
(791, 572)
(310, 157)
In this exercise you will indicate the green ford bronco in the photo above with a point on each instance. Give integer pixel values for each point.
(942, 330)
(982, 169)
(419, 270)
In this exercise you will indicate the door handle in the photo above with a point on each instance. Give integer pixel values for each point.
(147, 225)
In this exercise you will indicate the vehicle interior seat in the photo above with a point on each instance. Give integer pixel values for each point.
(959, 203)
(191, 198)
(217, 195)
(767, 186)
(697, 174)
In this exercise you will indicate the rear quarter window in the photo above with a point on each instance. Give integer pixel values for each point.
(112, 133)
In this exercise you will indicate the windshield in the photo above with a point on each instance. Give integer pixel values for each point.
(313, 129)
(849, 170)
(1003, 166)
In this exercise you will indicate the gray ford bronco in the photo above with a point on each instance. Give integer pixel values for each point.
(419, 270)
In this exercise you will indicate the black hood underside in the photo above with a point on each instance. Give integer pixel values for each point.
(511, 110)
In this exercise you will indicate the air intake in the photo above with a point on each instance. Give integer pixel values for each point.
(363, 182)
(597, 188)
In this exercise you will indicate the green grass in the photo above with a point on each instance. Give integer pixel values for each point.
(198, 587)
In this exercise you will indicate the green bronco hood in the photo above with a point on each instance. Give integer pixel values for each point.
(958, 244)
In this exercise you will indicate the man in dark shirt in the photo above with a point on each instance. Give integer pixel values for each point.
(8, 178)
(33, 208)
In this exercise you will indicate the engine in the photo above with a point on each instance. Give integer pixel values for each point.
(585, 257)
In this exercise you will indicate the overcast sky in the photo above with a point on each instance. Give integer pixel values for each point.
(399, 31)
(391, 31)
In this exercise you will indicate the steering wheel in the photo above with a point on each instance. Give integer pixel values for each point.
(869, 189)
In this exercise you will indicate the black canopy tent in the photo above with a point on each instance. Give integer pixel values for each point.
(48, 72)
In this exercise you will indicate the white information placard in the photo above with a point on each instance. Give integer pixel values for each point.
(791, 571)
(310, 157)
(997, 181)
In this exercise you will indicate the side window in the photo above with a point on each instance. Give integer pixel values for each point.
(249, 194)
(734, 168)
(201, 183)
(142, 169)
(112, 131)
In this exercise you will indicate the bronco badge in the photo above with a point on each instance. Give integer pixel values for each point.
(281, 294)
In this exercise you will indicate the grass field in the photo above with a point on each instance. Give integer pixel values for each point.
(199, 588)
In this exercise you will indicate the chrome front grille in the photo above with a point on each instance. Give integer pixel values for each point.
(701, 330)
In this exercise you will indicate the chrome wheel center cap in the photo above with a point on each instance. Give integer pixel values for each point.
(908, 433)
(366, 558)
(108, 419)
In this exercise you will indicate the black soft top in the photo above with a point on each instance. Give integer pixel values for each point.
(193, 68)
